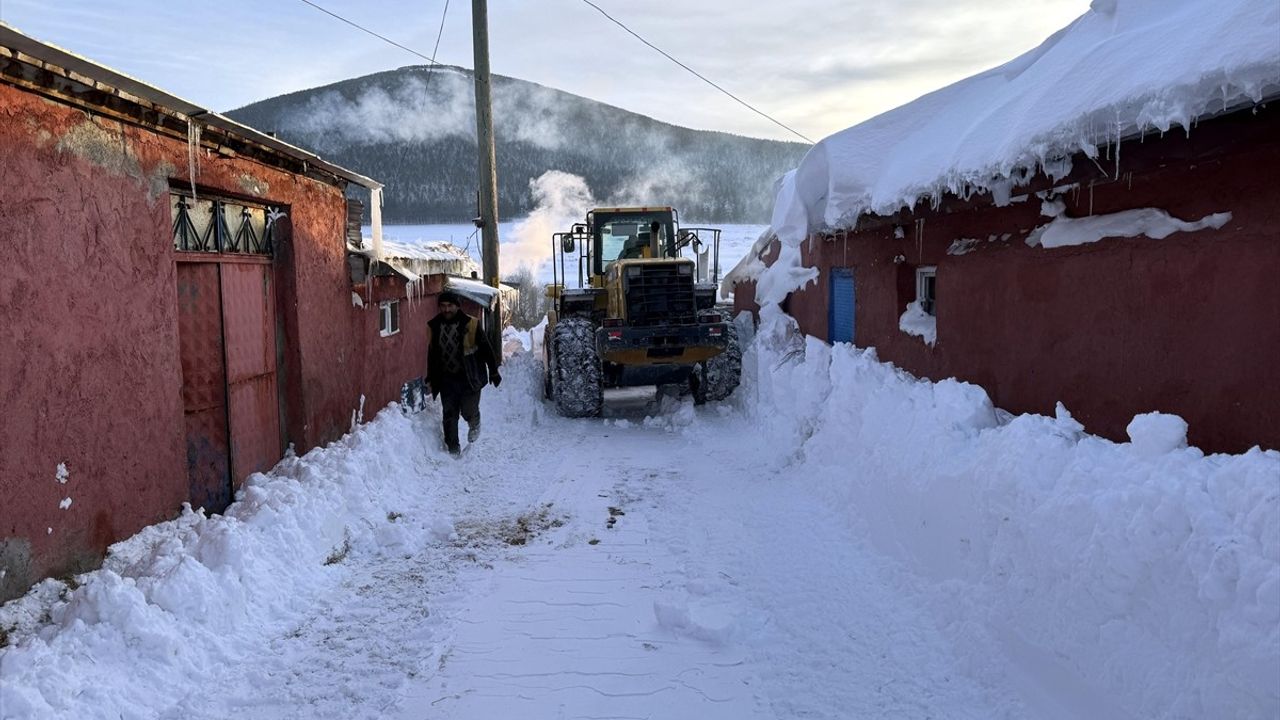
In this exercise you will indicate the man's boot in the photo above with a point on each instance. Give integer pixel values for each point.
(473, 431)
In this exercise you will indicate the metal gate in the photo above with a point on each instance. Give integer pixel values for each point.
(840, 314)
(204, 385)
(249, 329)
(227, 336)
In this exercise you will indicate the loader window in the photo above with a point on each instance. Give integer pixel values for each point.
(632, 238)
(619, 240)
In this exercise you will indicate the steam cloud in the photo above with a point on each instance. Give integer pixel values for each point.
(418, 110)
(561, 200)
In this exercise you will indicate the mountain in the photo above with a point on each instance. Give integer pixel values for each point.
(414, 130)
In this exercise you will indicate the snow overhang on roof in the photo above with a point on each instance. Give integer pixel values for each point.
(78, 69)
(412, 261)
(478, 292)
(750, 266)
(1123, 68)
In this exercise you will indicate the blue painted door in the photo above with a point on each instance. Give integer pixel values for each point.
(840, 306)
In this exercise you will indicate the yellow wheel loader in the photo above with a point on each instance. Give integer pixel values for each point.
(643, 311)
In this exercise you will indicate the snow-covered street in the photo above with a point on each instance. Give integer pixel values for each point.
(683, 584)
(677, 562)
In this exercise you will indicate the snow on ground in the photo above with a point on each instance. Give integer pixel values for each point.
(837, 540)
(1121, 580)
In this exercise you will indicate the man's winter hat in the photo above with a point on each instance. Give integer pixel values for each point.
(449, 296)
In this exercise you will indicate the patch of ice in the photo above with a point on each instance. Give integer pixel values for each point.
(66, 503)
(61, 475)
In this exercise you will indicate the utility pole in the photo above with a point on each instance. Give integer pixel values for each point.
(488, 220)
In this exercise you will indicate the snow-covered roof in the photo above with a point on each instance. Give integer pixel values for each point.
(430, 251)
(480, 293)
(427, 258)
(1123, 68)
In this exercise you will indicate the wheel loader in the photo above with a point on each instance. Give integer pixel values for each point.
(642, 312)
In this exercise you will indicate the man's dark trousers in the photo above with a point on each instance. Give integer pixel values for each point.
(457, 401)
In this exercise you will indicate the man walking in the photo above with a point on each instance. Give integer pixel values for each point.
(460, 362)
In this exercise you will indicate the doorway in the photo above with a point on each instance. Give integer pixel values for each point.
(841, 306)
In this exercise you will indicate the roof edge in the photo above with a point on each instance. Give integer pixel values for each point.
(45, 52)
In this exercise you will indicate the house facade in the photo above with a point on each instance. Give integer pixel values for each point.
(178, 309)
(1144, 280)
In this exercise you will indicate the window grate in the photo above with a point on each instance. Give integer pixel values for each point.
(214, 225)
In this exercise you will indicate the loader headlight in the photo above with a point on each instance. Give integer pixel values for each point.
(685, 268)
(633, 272)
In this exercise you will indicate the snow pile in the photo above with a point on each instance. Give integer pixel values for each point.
(673, 414)
(1155, 434)
(1063, 231)
(1123, 68)
(182, 601)
(677, 618)
(1145, 575)
(915, 321)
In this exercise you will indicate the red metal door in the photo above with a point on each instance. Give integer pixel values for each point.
(204, 386)
(249, 329)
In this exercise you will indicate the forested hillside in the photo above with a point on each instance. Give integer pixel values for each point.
(414, 130)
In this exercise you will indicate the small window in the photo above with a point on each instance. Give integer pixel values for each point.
(926, 289)
(390, 323)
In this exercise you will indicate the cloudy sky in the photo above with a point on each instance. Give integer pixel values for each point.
(816, 65)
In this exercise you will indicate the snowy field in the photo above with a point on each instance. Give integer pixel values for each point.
(535, 243)
(838, 540)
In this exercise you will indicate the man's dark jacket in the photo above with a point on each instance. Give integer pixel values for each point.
(478, 360)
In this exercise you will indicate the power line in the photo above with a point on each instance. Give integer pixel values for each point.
(439, 34)
(383, 38)
(599, 9)
(700, 76)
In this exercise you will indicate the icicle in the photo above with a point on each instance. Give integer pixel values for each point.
(193, 153)
(375, 213)
(1119, 137)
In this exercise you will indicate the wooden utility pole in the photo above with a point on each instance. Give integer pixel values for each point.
(488, 219)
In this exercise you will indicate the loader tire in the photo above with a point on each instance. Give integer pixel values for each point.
(717, 378)
(577, 387)
(546, 362)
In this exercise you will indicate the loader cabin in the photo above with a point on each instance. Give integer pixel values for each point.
(631, 234)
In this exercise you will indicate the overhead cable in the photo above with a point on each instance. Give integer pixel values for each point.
(699, 75)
